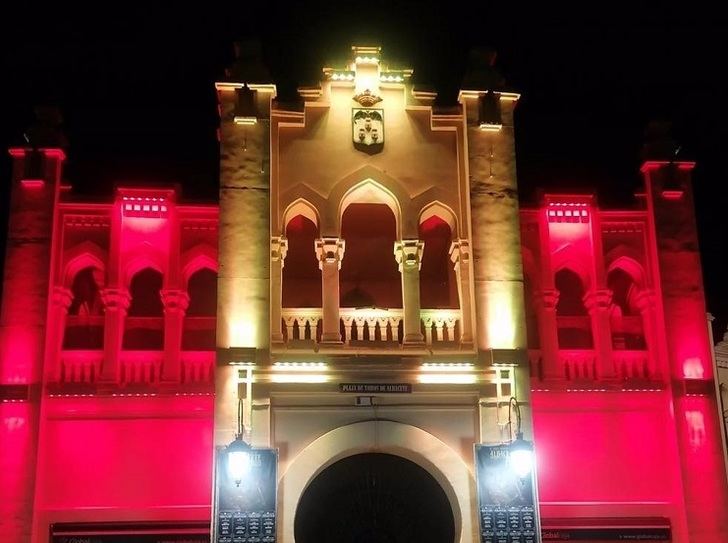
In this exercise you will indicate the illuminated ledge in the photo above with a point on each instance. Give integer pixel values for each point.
(672, 194)
(651, 165)
(246, 121)
(32, 183)
(54, 152)
(585, 386)
(229, 86)
(504, 96)
(310, 92)
(424, 94)
(487, 127)
(14, 393)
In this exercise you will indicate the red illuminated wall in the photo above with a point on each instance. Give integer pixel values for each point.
(624, 409)
(107, 398)
(105, 376)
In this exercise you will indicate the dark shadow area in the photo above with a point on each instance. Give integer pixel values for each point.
(374, 498)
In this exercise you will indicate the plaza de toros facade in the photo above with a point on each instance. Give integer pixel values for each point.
(363, 236)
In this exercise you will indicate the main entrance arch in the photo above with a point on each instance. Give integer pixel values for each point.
(441, 462)
(374, 498)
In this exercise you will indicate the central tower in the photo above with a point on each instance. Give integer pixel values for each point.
(370, 286)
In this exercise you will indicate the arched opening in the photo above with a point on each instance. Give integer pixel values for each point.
(301, 274)
(438, 285)
(374, 497)
(85, 321)
(199, 326)
(144, 327)
(625, 321)
(369, 276)
(573, 318)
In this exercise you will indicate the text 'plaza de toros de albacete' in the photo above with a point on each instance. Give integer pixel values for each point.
(364, 310)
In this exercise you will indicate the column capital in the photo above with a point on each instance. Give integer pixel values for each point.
(546, 298)
(62, 297)
(645, 300)
(460, 251)
(174, 300)
(598, 299)
(329, 251)
(278, 249)
(408, 253)
(115, 298)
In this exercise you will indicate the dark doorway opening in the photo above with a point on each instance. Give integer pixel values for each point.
(374, 498)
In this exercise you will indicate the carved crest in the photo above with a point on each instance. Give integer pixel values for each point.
(367, 99)
(368, 130)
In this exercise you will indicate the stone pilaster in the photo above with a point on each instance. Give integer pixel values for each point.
(61, 300)
(116, 303)
(460, 256)
(175, 303)
(330, 252)
(545, 302)
(598, 303)
(408, 253)
(647, 305)
(278, 251)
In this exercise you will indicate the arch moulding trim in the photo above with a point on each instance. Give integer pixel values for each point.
(406, 441)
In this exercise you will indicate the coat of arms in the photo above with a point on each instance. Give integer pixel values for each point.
(368, 130)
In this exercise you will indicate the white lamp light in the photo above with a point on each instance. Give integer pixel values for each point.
(238, 461)
(520, 458)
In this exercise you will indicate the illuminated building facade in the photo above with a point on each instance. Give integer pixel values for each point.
(721, 366)
(379, 293)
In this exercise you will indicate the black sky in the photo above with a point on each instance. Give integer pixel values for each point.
(136, 86)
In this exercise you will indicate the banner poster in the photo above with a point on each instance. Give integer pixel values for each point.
(246, 513)
(508, 510)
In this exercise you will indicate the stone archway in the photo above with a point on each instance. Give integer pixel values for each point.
(409, 442)
(374, 498)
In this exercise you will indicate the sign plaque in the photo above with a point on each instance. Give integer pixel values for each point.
(246, 513)
(507, 505)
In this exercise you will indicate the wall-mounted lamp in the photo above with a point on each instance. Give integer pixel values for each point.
(520, 456)
(238, 460)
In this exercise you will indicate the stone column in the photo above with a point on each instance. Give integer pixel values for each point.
(460, 256)
(646, 304)
(278, 251)
(545, 302)
(60, 302)
(598, 303)
(116, 302)
(408, 253)
(330, 252)
(175, 303)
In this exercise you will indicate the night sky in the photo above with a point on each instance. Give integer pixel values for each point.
(136, 87)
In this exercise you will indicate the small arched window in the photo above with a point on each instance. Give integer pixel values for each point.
(86, 293)
(202, 290)
(574, 325)
(145, 290)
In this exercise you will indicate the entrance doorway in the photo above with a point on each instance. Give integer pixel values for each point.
(374, 498)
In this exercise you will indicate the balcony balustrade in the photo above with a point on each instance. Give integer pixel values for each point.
(80, 367)
(367, 327)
